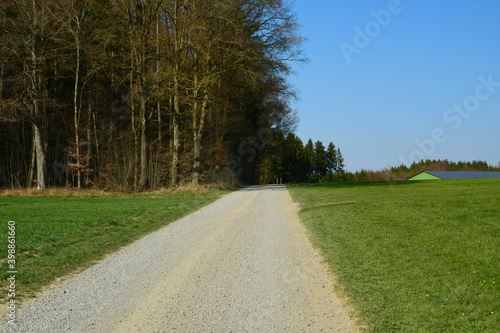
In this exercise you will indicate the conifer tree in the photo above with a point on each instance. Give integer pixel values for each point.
(331, 156)
(309, 158)
(340, 163)
(320, 160)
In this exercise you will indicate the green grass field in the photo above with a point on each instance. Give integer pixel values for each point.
(58, 235)
(412, 256)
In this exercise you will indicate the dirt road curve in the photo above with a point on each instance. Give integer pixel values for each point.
(242, 264)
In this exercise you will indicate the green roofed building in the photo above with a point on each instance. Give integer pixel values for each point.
(435, 175)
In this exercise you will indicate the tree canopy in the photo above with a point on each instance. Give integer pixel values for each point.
(133, 94)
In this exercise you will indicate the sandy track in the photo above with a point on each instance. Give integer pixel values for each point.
(241, 264)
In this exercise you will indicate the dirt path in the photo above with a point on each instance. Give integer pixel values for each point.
(242, 264)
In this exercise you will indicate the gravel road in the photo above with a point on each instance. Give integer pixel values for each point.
(241, 264)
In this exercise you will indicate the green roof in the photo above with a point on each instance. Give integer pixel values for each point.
(434, 175)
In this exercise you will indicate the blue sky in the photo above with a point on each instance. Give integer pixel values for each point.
(394, 81)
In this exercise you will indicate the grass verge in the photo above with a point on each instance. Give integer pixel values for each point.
(58, 235)
(413, 256)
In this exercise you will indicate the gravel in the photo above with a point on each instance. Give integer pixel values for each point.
(241, 264)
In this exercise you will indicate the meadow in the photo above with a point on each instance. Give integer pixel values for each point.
(59, 235)
(411, 256)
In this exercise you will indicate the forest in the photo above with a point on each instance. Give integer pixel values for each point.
(144, 94)
(132, 95)
(404, 172)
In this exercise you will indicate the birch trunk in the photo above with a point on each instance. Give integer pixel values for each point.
(35, 94)
(41, 165)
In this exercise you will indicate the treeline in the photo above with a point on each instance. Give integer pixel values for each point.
(404, 172)
(133, 94)
(286, 159)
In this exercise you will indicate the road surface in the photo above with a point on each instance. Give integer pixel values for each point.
(241, 264)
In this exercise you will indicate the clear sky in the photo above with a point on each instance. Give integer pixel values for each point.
(394, 81)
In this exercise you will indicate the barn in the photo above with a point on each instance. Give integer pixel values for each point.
(435, 175)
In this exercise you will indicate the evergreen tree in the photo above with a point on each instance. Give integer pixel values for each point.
(294, 161)
(309, 158)
(331, 157)
(340, 163)
(320, 160)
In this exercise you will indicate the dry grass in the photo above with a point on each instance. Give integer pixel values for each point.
(55, 191)
(180, 191)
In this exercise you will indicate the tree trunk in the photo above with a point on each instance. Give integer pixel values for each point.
(175, 137)
(159, 147)
(144, 148)
(133, 127)
(197, 135)
(37, 113)
(31, 172)
(76, 117)
(41, 163)
(157, 168)
(89, 140)
(2, 73)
